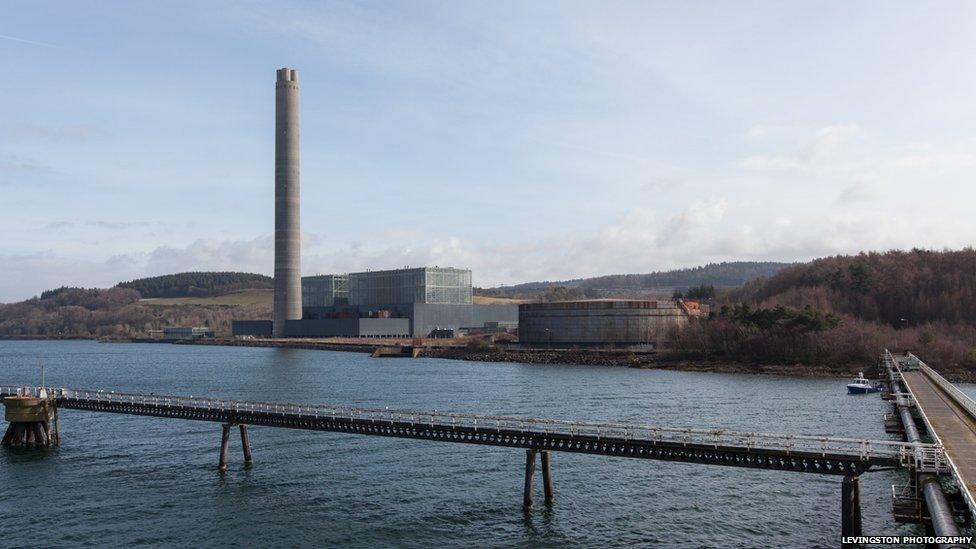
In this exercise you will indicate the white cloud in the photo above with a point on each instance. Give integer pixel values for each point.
(211, 255)
(826, 147)
(57, 133)
(829, 143)
(759, 130)
(642, 240)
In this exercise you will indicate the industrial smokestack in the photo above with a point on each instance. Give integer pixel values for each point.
(288, 272)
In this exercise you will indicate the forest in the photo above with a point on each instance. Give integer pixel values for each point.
(118, 312)
(197, 284)
(844, 310)
(731, 274)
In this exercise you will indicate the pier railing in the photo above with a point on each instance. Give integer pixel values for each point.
(912, 362)
(961, 398)
(908, 454)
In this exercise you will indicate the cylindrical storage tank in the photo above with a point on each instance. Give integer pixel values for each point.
(597, 322)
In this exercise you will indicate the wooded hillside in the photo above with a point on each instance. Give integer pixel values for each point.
(854, 307)
(198, 284)
(112, 312)
(896, 288)
(731, 274)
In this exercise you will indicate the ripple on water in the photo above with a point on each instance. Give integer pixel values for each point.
(126, 480)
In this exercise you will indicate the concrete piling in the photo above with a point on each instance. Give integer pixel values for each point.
(547, 476)
(8, 434)
(39, 437)
(850, 522)
(18, 434)
(529, 474)
(246, 444)
(224, 442)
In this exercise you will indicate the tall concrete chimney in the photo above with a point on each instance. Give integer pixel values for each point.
(288, 271)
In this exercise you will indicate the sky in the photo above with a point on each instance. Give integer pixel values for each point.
(523, 140)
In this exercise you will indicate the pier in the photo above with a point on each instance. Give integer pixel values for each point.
(948, 454)
(947, 416)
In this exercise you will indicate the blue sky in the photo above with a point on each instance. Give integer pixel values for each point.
(525, 140)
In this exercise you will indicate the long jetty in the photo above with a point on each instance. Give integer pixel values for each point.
(942, 458)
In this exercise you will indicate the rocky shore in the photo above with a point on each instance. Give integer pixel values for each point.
(660, 361)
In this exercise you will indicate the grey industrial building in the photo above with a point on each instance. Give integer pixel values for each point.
(444, 285)
(401, 302)
(598, 322)
(414, 302)
(325, 290)
(428, 298)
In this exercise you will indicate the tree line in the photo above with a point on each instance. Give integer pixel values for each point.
(845, 310)
(113, 312)
(197, 284)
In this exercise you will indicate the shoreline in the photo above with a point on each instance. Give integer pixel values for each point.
(644, 361)
(577, 357)
(581, 357)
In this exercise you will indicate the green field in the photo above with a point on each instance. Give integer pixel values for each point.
(233, 299)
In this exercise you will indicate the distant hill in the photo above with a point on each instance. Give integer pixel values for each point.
(894, 288)
(240, 298)
(198, 284)
(845, 310)
(727, 274)
(119, 312)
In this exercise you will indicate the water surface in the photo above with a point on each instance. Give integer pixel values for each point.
(127, 480)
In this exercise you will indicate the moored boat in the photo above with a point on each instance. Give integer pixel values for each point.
(862, 385)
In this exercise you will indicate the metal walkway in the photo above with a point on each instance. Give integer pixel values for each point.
(810, 454)
(950, 417)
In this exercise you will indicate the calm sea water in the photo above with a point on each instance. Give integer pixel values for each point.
(127, 480)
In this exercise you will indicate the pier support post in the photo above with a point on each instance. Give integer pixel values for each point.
(39, 437)
(18, 434)
(850, 506)
(57, 428)
(547, 475)
(246, 443)
(224, 442)
(529, 473)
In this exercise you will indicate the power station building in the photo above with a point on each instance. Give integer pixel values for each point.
(414, 302)
(419, 285)
(599, 322)
(325, 290)
(393, 303)
(427, 299)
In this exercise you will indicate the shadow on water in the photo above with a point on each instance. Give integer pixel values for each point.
(19, 454)
(284, 369)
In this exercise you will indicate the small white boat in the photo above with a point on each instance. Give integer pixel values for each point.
(862, 385)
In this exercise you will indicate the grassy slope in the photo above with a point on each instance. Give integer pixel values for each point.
(265, 298)
(233, 299)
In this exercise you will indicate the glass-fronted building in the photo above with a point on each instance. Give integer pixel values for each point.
(325, 290)
(397, 303)
(441, 285)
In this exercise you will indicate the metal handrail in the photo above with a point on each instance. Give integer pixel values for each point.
(894, 365)
(960, 397)
(633, 432)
